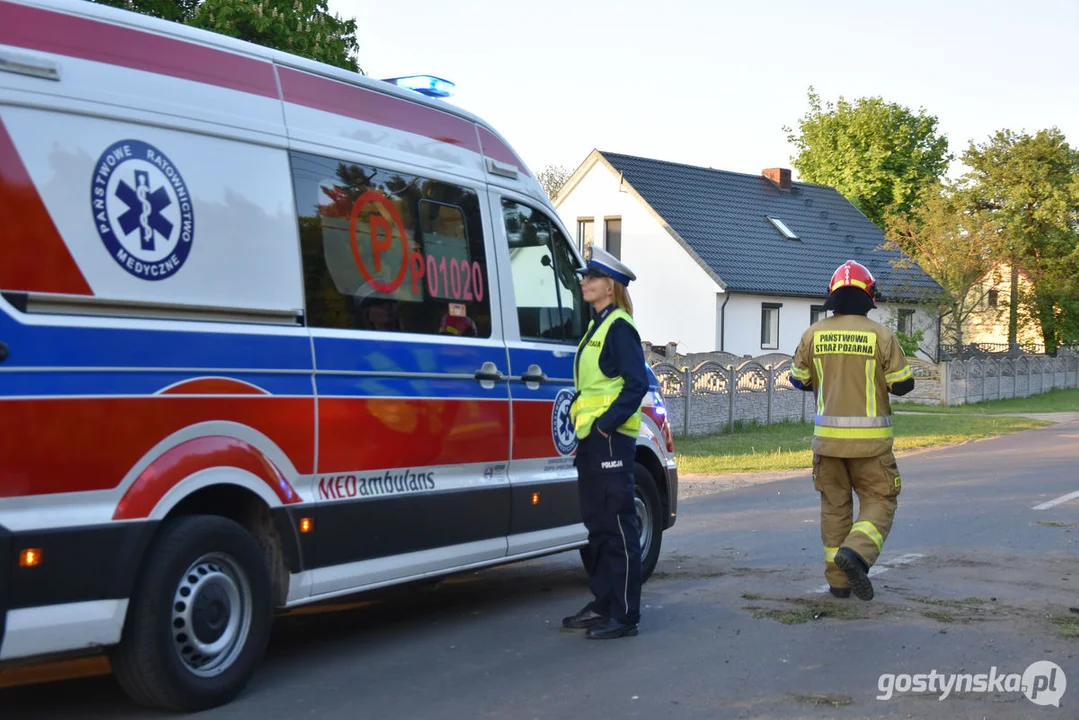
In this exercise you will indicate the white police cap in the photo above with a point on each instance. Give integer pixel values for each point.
(603, 263)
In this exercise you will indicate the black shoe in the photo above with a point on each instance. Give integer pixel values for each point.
(611, 629)
(583, 620)
(839, 592)
(857, 571)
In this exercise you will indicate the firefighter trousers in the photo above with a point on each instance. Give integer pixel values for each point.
(877, 484)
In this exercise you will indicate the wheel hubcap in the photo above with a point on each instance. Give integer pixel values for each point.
(211, 615)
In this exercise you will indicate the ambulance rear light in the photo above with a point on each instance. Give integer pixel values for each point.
(30, 557)
(428, 85)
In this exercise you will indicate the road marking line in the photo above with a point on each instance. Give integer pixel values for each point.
(878, 569)
(1058, 501)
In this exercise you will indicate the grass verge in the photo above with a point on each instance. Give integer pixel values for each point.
(786, 446)
(1052, 401)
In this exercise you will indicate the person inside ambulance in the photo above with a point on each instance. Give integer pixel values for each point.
(851, 364)
(611, 381)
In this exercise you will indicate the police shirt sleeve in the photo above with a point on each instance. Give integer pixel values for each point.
(622, 356)
(897, 372)
(801, 377)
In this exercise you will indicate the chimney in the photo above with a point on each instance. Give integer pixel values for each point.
(780, 176)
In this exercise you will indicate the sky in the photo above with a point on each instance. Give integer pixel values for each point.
(714, 83)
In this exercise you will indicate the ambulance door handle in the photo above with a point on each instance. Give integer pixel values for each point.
(489, 374)
(3, 352)
(534, 374)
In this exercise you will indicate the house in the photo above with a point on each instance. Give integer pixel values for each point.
(986, 325)
(735, 262)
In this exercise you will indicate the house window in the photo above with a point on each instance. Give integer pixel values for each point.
(586, 235)
(906, 322)
(770, 326)
(612, 231)
(816, 313)
(991, 298)
(783, 229)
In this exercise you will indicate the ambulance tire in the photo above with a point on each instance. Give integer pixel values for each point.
(650, 512)
(218, 564)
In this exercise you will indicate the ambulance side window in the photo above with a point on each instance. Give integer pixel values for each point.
(550, 306)
(384, 250)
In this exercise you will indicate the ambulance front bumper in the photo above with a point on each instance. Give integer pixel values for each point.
(672, 495)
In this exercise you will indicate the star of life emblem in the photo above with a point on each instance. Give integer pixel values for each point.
(562, 431)
(142, 210)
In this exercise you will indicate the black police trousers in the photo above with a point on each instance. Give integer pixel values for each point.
(605, 487)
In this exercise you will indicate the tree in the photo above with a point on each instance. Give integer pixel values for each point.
(301, 27)
(951, 244)
(175, 10)
(878, 155)
(1027, 186)
(552, 177)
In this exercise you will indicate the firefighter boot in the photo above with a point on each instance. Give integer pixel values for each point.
(857, 571)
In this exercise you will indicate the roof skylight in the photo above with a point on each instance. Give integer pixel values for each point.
(782, 228)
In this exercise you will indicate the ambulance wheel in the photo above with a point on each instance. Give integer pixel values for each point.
(649, 512)
(199, 619)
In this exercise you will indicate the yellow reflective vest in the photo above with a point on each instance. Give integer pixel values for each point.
(596, 390)
(850, 361)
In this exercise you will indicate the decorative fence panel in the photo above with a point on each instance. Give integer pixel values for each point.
(708, 393)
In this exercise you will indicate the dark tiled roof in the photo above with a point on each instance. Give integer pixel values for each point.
(723, 216)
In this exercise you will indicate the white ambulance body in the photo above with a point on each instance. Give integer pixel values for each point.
(270, 333)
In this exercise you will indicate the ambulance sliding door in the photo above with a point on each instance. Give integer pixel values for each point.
(545, 317)
(413, 402)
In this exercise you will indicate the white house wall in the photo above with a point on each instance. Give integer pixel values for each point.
(674, 299)
(743, 318)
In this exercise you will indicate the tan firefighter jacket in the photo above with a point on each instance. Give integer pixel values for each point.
(850, 361)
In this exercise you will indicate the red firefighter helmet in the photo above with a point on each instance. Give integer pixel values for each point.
(853, 274)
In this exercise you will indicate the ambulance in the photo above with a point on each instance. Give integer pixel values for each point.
(271, 333)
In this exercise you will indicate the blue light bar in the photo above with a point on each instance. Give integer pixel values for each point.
(428, 85)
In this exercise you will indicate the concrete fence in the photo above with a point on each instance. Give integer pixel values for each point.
(710, 392)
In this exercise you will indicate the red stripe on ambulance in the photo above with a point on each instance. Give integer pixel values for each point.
(34, 256)
(190, 457)
(362, 104)
(54, 32)
(92, 443)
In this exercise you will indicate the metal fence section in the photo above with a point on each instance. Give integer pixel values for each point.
(720, 390)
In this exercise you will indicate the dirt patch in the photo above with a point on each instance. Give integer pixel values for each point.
(821, 699)
(796, 611)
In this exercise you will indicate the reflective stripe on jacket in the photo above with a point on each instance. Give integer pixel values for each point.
(850, 360)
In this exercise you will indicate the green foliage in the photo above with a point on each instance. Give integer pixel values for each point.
(910, 343)
(1027, 188)
(301, 27)
(175, 10)
(952, 245)
(877, 154)
(552, 177)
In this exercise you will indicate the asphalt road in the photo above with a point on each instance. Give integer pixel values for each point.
(734, 621)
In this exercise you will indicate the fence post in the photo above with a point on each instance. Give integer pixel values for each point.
(733, 385)
(1000, 379)
(1030, 377)
(687, 384)
(770, 393)
(966, 385)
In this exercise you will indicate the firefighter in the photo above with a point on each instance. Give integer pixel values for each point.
(851, 364)
(611, 381)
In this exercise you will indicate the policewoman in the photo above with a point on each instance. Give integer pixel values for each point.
(611, 381)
